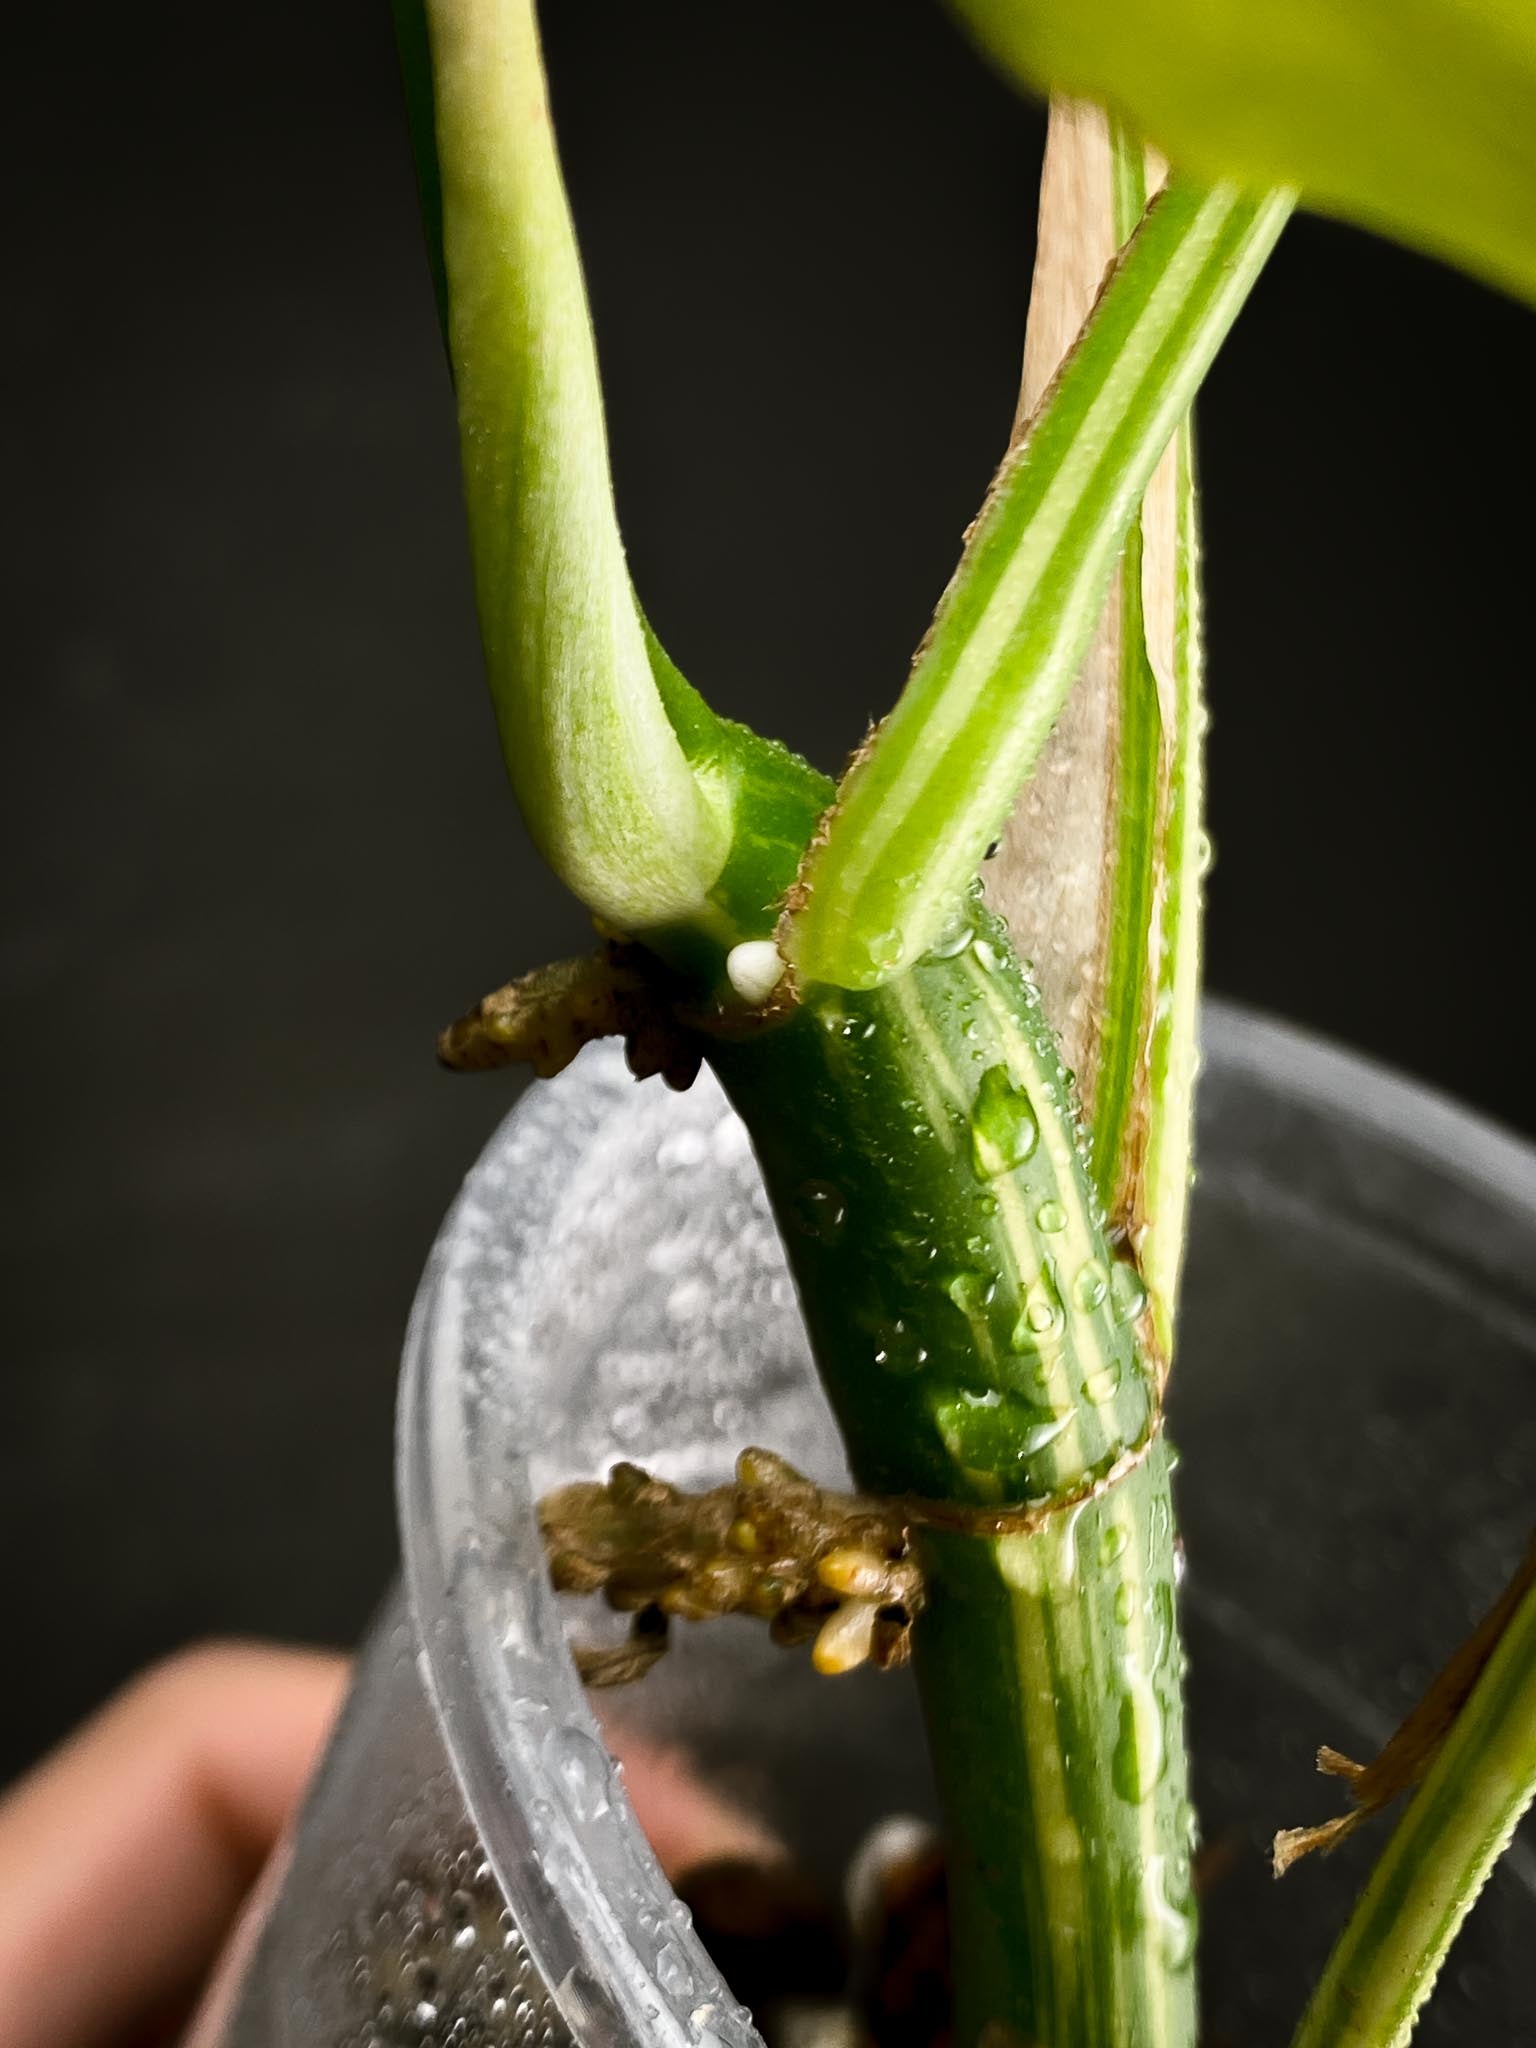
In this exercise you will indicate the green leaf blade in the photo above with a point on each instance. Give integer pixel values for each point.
(1413, 117)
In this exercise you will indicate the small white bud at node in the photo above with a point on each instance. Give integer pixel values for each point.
(754, 969)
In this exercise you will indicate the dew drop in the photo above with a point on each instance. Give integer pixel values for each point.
(1041, 1321)
(1164, 1623)
(954, 938)
(990, 1433)
(883, 951)
(1113, 1542)
(582, 1770)
(672, 1971)
(971, 1292)
(1004, 1128)
(1040, 1436)
(1127, 1292)
(1104, 1384)
(913, 1251)
(1091, 1286)
(461, 1917)
(820, 1211)
(1171, 1907)
(1050, 1217)
(899, 1350)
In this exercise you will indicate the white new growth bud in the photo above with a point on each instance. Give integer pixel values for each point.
(754, 969)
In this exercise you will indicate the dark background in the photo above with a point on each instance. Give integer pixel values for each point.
(257, 844)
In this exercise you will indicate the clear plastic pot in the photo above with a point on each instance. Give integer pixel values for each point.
(1355, 1397)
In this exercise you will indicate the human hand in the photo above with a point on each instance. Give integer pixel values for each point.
(126, 1854)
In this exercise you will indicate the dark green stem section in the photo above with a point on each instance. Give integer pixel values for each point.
(981, 1345)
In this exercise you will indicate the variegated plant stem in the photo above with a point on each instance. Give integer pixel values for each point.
(1049, 1661)
(1063, 1776)
(987, 1347)
(1063, 1771)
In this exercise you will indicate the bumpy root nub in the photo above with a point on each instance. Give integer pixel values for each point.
(816, 1566)
(543, 1019)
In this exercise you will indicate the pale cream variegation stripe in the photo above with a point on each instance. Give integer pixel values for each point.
(1053, 876)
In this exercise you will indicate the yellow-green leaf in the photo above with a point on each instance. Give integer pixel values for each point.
(1415, 117)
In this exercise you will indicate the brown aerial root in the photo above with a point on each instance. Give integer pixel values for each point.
(543, 1019)
(771, 1544)
(1411, 1751)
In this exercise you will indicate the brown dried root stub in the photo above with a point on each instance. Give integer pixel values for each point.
(816, 1566)
(1406, 1758)
(543, 1019)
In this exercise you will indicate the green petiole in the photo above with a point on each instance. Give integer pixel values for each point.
(929, 792)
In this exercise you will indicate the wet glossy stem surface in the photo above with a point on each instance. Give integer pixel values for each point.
(981, 1344)
(1049, 1669)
